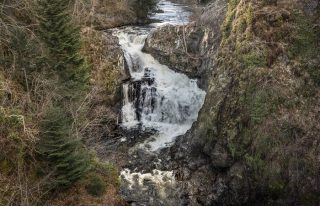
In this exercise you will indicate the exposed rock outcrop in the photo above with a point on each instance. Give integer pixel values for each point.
(107, 59)
(105, 99)
(256, 139)
(181, 48)
(190, 49)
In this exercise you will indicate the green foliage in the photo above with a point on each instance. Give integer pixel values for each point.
(249, 22)
(204, 1)
(65, 157)
(19, 52)
(254, 59)
(5, 167)
(63, 41)
(96, 186)
(259, 102)
(314, 72)
(304, 38)
(304, 45)
(311, 198)
(227, 25)
(233, 4)
(255, 163)
(242, 25)
(11, 135)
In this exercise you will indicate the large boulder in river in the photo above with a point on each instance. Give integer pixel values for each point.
(182, 48)
(191, 48)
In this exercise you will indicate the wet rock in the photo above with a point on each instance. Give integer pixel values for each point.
(190, 49)
(220, 157)
(142, 93)
(181, 48)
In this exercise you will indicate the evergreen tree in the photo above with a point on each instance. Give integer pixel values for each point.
(65, 157)
(63, 41)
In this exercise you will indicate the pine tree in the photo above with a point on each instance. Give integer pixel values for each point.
(63, 41)
(65, 157)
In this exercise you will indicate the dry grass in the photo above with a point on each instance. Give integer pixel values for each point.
(267, 107)
(27, 88)
(78, 194)
(104, 14)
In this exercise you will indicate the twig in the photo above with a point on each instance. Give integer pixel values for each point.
(27, 84)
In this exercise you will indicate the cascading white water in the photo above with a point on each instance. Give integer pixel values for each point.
(157, 97)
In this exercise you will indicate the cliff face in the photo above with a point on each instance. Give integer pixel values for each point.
(191, 48)
(257, 137)
(184, 49)
(256, 140)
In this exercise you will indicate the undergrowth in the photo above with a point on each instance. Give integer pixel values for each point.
(259, 100)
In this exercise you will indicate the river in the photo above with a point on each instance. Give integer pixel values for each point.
(155, 98)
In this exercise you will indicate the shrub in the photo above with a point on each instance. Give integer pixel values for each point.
(254, 59)
(304, 38)
(96, 186)
(233, 4)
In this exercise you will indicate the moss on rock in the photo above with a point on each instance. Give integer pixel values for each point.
(256, 105)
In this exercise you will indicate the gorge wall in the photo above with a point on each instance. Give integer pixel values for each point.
(256, 141)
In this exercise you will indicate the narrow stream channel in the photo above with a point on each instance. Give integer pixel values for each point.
(155, 98)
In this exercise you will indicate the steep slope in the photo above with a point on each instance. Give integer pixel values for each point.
(256, 140)
(191, 48)
(28, 86)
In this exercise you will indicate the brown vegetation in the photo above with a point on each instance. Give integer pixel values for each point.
(262, 102)
(27, 88)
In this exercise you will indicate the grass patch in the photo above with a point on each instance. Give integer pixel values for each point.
(304, 42)
(314, 72)
(227, 25)
(254, 59)
(258, 103)
(233, 4)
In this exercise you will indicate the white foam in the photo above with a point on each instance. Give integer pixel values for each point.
(174, 104)
(156, 176)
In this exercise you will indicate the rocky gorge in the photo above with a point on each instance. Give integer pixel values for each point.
(187, 102)
(244, 147)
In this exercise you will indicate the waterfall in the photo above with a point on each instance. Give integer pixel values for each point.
(157, 97)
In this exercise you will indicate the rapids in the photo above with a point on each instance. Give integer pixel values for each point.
(157, 97)
(154, 98)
